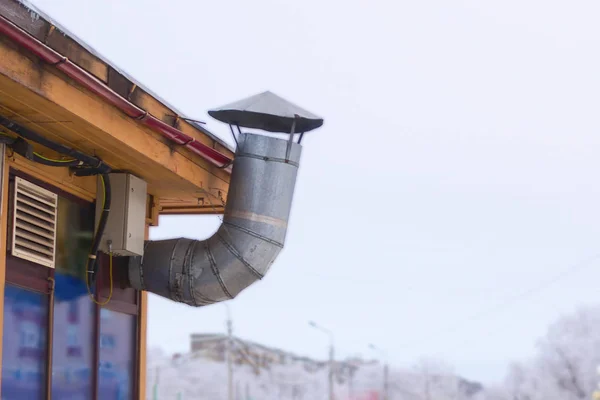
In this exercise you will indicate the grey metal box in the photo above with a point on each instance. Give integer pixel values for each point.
(127, 218)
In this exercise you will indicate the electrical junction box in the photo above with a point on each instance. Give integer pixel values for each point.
(126, 223)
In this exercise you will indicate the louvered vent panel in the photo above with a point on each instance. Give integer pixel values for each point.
(34, 212)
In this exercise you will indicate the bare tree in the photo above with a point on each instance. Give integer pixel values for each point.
(434, 380)
(565, 366)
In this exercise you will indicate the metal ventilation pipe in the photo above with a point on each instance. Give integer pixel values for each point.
(253, 232)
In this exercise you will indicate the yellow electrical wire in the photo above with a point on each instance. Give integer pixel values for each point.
(41, 156)
(49, 159)
(110, 280)
(110, 264)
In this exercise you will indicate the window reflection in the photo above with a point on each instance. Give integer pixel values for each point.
(24, 344)
(74, 234)
(117, 355)
(73, 341)
(74, 313)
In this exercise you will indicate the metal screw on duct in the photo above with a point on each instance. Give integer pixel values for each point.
(256, 215)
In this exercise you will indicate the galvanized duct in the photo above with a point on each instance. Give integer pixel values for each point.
(260, 195)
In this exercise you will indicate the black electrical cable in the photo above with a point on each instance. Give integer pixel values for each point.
(82, 164)
(26, 133)
(92, 264)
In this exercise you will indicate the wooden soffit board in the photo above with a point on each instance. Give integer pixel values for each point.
(41, 98)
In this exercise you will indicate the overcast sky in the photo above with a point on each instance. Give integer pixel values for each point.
(449, 206)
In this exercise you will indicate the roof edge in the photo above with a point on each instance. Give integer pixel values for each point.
(38, 13)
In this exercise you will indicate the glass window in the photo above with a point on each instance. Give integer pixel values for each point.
(74, 235)
(117, 355)
(24, 344)
(84, 343)
(74, 313)
(73, 340)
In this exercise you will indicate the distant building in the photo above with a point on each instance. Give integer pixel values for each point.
(261, 357)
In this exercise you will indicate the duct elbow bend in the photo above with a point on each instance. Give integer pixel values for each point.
(251, 236)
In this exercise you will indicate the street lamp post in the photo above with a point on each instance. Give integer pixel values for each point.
(331, 356)
(385, 370)
(228, 354)
(155, 386)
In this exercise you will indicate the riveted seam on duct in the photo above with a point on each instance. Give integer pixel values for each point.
(257, 218)
(171, 259)
(237, 255)
(272, 159)
(215, 270)
(252, 233)
(141, 275)
(188, 270)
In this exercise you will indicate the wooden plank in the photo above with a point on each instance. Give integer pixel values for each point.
(171, 207)
(145, 101)
(3, 244)
(80, 119)
(30, 22)
(159, 180)
(192, 210)
(210, 202)
(69, 48)
(82, 187)
(153, 210)
(119, 83)
(188, 129)
(143, 337)
(42, 30)
(143, 346)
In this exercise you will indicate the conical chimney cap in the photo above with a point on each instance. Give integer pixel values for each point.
(268, 112)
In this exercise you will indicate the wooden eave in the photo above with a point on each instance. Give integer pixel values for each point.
(43, 99)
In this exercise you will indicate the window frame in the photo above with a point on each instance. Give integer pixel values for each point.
(40, 279)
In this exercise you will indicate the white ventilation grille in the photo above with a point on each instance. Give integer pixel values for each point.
(34, 212)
